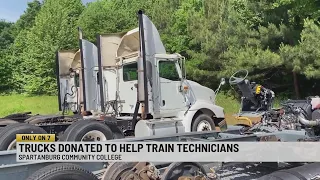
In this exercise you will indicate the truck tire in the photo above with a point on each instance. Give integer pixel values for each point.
(87, 130)
(8, 134)
(203, 122)
(18, 116)
(177, 169)
(67, 131)
(61, 171)
(5, 122)
(118, 170)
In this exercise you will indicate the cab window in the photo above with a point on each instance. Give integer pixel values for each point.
(130, 72)
(167, 70)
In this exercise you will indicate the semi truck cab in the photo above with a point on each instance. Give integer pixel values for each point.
(125, 68)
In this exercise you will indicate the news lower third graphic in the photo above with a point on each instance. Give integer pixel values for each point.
(35, 137)
(41, 148)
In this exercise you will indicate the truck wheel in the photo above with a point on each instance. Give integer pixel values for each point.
(61, 171)
(18, 116)
(67, 131)
(203, 122)
(87, 130)
(118, 170)
(178, 169)
(8, 134)
(5, 122)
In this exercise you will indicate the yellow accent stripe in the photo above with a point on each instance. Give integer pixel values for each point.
(35, 137)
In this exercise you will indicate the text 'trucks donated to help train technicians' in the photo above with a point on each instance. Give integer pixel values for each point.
(92, 148)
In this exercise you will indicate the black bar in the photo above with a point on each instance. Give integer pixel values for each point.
(58, 80)
(143, 49)
(100, 79)
(83, 79)
(135, 115)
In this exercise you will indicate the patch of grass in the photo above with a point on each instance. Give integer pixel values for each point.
(278, 101)
(37, 104)
(229, 103)
(231, 106)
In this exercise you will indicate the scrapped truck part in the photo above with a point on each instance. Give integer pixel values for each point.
(118, 170)
(255, 100)
(62, 171)
(257, 106)
(309, 171)
(184, 170)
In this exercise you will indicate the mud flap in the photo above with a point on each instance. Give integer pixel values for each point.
(113, 125)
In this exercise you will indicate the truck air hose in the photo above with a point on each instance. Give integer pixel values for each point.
(65, 99)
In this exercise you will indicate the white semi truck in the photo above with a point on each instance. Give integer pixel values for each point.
(126, 85)
(134, 65)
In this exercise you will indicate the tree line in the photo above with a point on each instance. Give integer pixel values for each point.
(277, 41)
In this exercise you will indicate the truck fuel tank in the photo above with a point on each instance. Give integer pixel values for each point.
(157, 127)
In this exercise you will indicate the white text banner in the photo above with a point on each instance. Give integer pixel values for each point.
(168, 151)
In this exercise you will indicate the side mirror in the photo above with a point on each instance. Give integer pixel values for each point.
(222, 81)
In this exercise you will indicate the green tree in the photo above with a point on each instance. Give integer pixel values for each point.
(6, 39)
(218, 35)
(21, 29)
(55, 28)
(26, 20)
(261, 36)
(305, 57)
(288, 16)
(111, 16)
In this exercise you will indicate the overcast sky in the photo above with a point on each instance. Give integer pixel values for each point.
(10, 10)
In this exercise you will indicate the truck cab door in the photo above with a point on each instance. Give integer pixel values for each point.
(128, 91)
(171, 97)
